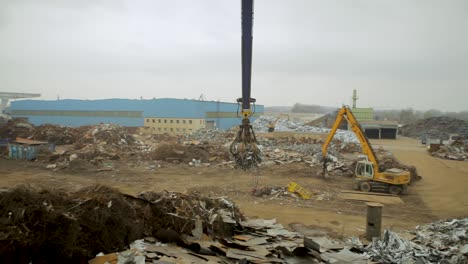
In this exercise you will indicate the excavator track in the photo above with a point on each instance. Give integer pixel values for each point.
(373, 186)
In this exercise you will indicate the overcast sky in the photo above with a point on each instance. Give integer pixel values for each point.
(396, 53)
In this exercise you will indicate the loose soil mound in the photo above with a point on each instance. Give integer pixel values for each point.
(51, 223)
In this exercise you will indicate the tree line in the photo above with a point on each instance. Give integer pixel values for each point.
(403, 116)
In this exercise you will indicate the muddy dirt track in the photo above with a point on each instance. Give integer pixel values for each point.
(434, 197)
(444, 185)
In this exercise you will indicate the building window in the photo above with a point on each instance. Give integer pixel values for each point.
(190, 121)
(165, 129)
(172, 121)
(159, 129)
(183, 121)
(153, 120)
(177, 129)
(165, 120)
(172, 130)
(159, 120)
(184, 130)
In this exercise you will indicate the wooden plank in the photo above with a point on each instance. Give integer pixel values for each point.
(109, 258)
(244, 238)
(371, 198)
(370, 193)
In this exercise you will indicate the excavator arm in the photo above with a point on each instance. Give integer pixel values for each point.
(345, 113)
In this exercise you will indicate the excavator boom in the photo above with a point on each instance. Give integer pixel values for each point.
(345, 113)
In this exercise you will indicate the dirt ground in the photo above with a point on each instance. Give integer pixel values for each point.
(439, 195)
(443, 188)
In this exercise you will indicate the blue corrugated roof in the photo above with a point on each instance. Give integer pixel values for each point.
(154, 107)
(164, 107)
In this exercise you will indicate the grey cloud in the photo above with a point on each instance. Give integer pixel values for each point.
(318, 50)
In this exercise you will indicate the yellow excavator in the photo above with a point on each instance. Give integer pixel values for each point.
(367, 174)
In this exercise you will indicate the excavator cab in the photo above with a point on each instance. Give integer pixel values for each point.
(364, 170)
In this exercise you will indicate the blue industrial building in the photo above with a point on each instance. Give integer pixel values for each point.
(126, 112)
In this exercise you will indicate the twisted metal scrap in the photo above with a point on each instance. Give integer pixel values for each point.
(244, 149)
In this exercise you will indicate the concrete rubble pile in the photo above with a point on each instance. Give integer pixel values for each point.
(436, 128)
(457, 150)
(439, 242)
(261, 125)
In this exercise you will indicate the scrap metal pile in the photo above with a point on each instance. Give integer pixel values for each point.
(98, 147)
(95, 222)
(436, 127)
(261, 125)
(265, 241)
(457, 150)
(282, 150)
(439, 242)
(436, 131)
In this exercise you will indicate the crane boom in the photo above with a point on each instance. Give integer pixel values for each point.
(244, 149)
(247, 39)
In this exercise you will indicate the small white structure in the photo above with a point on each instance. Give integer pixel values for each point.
(5, 97)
